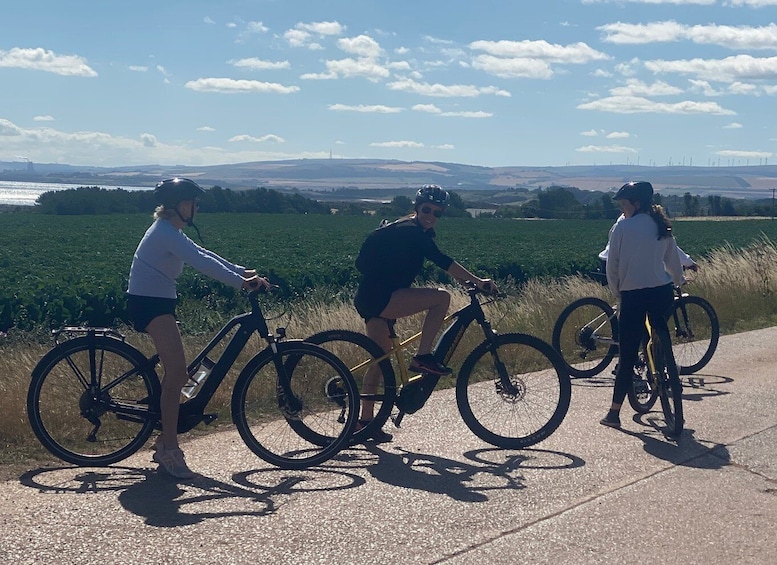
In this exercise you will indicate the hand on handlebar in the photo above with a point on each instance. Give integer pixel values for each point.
(256, 283)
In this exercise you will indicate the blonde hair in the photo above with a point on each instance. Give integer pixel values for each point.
(162, 212)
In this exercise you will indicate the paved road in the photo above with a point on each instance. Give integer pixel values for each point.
(437, 494)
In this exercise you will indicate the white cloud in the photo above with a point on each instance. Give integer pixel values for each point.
(589, 133)
(618, 135)
(745, 154)
(732, 37)
(43, 60)
(576, 53)
(432, 109)
(252, 139)
(729, 69)
(138, 68)
(322, 28)
(640, 105)
(256, 27)
(733, 125)
(231, 86)
(512, 68)
(367, 109)
(48, 145)
(208, 20)
(395, 144)
(442, 90)
(206, 128)
(43, 119)
(255, 63)
(606, 149)
(634, 87)
(349, 68)
(361, 46)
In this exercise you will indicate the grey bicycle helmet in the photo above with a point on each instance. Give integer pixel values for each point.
(432, 193)
(633, 191)
(170, 192)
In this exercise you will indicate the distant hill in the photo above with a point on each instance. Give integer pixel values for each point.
(390, 176)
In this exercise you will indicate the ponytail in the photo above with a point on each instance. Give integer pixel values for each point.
(661, 220)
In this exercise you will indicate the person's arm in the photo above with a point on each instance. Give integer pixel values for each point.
(685, 259)
(613, 262)
(457, 271)
(672, 262)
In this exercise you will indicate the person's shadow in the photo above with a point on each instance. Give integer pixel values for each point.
(684, 450)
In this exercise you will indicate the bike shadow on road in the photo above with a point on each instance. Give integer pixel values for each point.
(163, 501)
(700, 386)
(685, 451)
(466, 481)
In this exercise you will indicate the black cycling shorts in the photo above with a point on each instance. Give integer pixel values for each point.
(143, 309)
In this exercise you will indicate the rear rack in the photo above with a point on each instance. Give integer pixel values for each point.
(69, 332)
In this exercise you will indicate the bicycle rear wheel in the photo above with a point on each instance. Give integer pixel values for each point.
(586, 334)
(323, 386)
(355, 350)
(92, 400)
(513, 392)
(695, 331)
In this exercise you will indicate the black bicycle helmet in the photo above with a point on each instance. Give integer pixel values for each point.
(432, 193)
(633, 191)
(172, 191)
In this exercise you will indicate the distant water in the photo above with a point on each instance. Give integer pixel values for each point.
(25, 193)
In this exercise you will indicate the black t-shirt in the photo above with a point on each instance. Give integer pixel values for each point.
(391, 258)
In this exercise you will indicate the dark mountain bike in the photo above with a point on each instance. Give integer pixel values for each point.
(586, 334)
(94, 398)
(653, 380)
(512, 390)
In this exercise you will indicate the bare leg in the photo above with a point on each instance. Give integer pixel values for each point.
(404, 302)
(408, 301)
(167, 340)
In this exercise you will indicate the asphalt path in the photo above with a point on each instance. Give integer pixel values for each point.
(437, 494)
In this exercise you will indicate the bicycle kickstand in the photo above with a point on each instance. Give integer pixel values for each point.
(398, 418)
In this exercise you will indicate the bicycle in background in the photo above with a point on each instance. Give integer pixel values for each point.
(586, 334)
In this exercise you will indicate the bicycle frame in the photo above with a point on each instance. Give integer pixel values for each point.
(446, 343)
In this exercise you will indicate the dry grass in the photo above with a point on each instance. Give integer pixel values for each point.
(739, 283)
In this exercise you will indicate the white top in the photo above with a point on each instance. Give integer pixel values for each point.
(638, 259)
(685, 259)
(160, 257)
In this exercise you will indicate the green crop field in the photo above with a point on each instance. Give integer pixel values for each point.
(57, 269)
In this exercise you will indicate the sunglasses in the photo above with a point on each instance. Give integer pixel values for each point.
(428, 210)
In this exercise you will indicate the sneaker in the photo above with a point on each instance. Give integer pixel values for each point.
(611, 422)
(428, 364)
(172, 461)
(378, 436)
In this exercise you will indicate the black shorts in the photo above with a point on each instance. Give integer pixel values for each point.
(143, 309)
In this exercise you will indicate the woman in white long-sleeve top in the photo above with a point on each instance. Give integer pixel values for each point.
(643, 264)
(151, 298)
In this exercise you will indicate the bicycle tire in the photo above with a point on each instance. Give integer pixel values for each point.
(695, 338)
(574, 333)
(258, 411)
(643, 392)
(60, 400)
(670, 391)
(534, 404)
(354, 348)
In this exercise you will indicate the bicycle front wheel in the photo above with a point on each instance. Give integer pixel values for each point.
(670, 390)
(514, 391)
(92, 400)
(376, 381)
(585, 335)
(325, 402)
(695, 331)
(644, 386)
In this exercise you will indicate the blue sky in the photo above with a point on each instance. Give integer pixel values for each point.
(481, 82)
